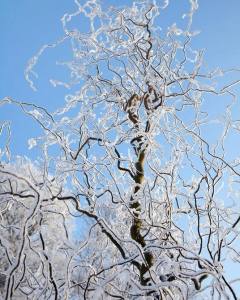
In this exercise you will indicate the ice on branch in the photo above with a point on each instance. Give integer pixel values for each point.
(135, 193)
(32, 143)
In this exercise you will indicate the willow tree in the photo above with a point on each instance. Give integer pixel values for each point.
(34, 234)
(140, 153)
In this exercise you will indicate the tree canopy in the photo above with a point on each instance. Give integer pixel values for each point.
(136, 194)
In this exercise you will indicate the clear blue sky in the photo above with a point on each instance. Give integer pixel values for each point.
(26, 25)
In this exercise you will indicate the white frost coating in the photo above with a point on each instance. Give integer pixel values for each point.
(56, 83)
(32, 143)
(165, 4)
(34, 60)
(137, 159)
(36, 113)
(175, 30)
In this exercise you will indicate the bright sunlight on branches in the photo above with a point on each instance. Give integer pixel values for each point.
(136, 194)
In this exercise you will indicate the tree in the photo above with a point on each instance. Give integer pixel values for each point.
(130, 155)
(34, 233)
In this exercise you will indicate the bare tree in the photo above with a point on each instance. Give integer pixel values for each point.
(139, 156)
(34, 234)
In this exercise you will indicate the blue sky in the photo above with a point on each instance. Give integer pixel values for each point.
(26, 25)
